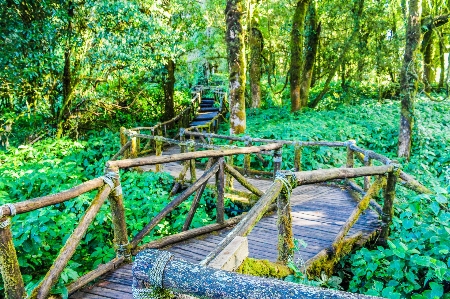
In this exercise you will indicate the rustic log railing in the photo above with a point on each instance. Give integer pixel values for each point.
(109, 186)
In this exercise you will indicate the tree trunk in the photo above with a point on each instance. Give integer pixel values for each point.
(312, 41)
(428, 74)
(256, 47)
(169, 86)
(67, 77)
(236, 65)
(296, 53)
(409, 78)
(442, 61)
(356, 21)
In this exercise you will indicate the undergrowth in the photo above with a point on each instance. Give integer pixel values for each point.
(416, 263)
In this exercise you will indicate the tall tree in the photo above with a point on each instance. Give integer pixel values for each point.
(256, 47)
(409, 78)
(296, 52)
(236, 65)
(312, 33)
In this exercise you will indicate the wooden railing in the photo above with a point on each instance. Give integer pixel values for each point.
(109, 186)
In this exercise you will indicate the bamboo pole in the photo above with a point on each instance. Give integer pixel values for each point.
(121, 243)
(242, 180)
(245, 226)
(379, 183)
(187, 156)
(196, 201)
(322, 175)
(45, 201)
(9, 265)
(388, 206)
(43, 289)
(220, 183)
(173, 204)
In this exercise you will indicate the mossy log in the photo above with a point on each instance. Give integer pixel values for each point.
(204, 282)
(322, 175)
(249, 221)
(173, 204)
(263, 268)
(9, 265)
(220, 183)
(362, 206)
(242, 180)
(43, 289)
(388, 207)
(325, 260)
(253, 171)
(45, 201)
(187, 156)
(118, 218)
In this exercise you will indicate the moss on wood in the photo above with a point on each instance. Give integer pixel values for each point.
(263, 268)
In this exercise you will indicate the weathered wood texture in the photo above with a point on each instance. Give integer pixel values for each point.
(318, 213)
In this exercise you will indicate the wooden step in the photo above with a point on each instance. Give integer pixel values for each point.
(208, 109)
(205, 116)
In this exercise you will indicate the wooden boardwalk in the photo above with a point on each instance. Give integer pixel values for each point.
(318, 212)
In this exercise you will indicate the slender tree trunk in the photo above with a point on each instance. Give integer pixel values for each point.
(236, 65)
(169, 87)
(428, 57)
(356, 20)
(67, 77)
(296, 53)
(311, 43)
(409, 78)
(256, 45)
(442, 61)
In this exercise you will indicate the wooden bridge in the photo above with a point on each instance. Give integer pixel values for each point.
(326, 208)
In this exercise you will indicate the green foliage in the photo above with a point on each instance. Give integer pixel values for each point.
(416, 263)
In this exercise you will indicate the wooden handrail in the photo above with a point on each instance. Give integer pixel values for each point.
(45, 201)
(322, 175)
(192, 155)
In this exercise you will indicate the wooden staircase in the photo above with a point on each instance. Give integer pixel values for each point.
(206, 112)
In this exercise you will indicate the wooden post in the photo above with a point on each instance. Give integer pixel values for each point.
(196, 200)
(247, 158)
(230, 180)
(133, 149)
(123, 141)
(350, 156)
(367, 162)
(284, 222)
(298, 149)
(158, 150)
(277, 159)
(121, 242)
(388, 206)
(191, 148)
(9, 265)
(138, 143)
(220, 183)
